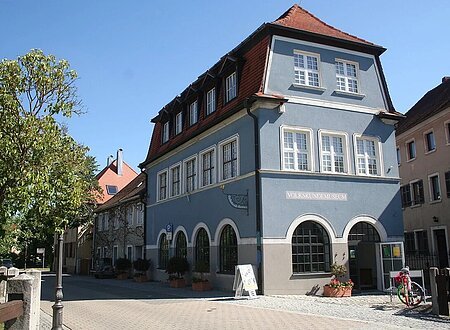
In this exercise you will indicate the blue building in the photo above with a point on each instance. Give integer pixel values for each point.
(282, 155)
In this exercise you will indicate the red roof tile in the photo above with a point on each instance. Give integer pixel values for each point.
(300, 19)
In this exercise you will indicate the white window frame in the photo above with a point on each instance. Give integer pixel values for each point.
(99, 251)
(412, 190)
(430, 187)
(211, 101)
(193, 113)
(309, 145)
(347, 77)
(345, 148)
(132, 248)
(115, 248)
(178, 123)
(231, 87)
(130, 215)
(158, 184)
(165, 133)
(425, 141)
(116, 220)
(213, 162)
(408, 158)
(306, 71)
(185, 176)
(140, 214)
(378, 154)
(171, 193)
(106, 223)
(220, 157)
(447, 132)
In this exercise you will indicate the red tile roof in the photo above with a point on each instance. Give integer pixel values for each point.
(300, 19)
(433, 102)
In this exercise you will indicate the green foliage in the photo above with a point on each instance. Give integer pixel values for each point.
(123, 264)
(47, 180)
(338, 270)
(141, 265)
(177, 265)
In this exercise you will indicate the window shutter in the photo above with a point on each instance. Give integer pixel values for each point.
(447, 183)
(422, 198)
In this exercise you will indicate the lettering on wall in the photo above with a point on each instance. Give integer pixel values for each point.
(316, 196)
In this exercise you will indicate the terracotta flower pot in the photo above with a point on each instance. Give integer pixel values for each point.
(122, 276)
(342, 291)
(177, 283)
(201, 286)
(141, 278)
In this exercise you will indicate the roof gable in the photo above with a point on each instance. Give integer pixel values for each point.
(300, 19)
(108, 176)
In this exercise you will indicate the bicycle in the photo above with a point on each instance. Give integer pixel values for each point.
(409, 292)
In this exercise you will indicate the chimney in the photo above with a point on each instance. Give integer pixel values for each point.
(119, 162)
(445, 78)
(109, 160)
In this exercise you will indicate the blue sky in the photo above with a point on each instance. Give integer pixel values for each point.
(133, 57)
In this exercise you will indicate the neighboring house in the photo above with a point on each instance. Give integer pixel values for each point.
(281, 155)
(77, 256)
(119, 223)
(423, 151)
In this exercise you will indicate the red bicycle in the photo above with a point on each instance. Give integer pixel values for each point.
(409, 292)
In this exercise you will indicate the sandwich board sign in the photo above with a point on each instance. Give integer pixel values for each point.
(244, 280)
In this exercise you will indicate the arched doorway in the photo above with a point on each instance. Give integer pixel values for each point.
(362, 240)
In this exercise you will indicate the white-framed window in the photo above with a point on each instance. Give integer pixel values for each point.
(116, 216)
(190, 174)
(306, 69)
(165, 132)
(178, 123)
(99, 252)
(105, 221)
(193, 113)
(296, 143)
(115, 254)
(162, 185)
(333, 151)
(429, 141)
(130, 211)
(367, 154)
(347, 76)
(229, 158)
(435, 187)
(211, 101)
(130, 252)
(140, 214)
(447, 131)
(105, 252)
(417, 194)
(230, 87)
(175, 180)
(410, 150)
(399, 156)
(100, 222)
(207, 167)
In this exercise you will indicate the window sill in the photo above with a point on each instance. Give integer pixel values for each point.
(416, 206)
(436, 201)
(303, 276)
(314, 88)
(410, 160)
(430, 152)
(345, 93)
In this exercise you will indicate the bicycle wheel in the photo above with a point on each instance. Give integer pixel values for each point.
(402, 294)
(415, 294)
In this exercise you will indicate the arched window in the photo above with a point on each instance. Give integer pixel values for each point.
(163, 251)
(363, 232)
(228, 250)
(310, 248)
(181, 245)
(202, 247)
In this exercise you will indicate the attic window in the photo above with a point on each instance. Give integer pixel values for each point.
(112, 190)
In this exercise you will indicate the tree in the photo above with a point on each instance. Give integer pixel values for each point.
(47, 179)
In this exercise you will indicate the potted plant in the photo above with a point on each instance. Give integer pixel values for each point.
(201, 283)
(336, 287)
(176, 267)
(141, 266)
(122, 266)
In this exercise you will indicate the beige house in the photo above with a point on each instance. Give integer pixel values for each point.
(423, 152)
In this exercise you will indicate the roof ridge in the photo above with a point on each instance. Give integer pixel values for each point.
(286, 16)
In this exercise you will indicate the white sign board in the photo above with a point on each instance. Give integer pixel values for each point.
(316, 196)
(40, 250)
(244, 279)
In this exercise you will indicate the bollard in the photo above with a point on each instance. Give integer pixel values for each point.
(36, 294)
(21, 288)
(434, 292)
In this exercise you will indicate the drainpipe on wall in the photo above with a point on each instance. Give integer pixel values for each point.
(248, 103)
(144, 201)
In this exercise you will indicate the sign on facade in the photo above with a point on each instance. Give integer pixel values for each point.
(244, 280)
(316, 196)
(169, 229)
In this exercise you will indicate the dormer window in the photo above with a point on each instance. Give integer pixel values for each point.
(193, 113)
(230, 87)
(347, 77)
(165, 132)
(306, 69)
(178, 123)
(111, 190)
(211, 101)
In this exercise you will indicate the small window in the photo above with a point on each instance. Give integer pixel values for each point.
(435, 189)
(130, 252)
(230, 87)
(211, 101)
(399, 157)
(229, 161)
(130, 211)
(430, 143)
(422, 241)
(367, 156)
(411, 150)
(405, 192)
(228, 250)
(347, 76)
(306, 69)
(410, 246)
(208, 168)
(333, 152)
(447, 131)
(447, 183)
(163, 254)
(162, 185)
(181, 245)
(202, 247)
(417, 192)
(297, 149)
(111, 190)
(190, 169)
(165, 133)
(175, 181)
(178, 123)
(193, 113)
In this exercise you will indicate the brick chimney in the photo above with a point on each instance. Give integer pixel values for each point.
(445, 78)
(120, 162)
